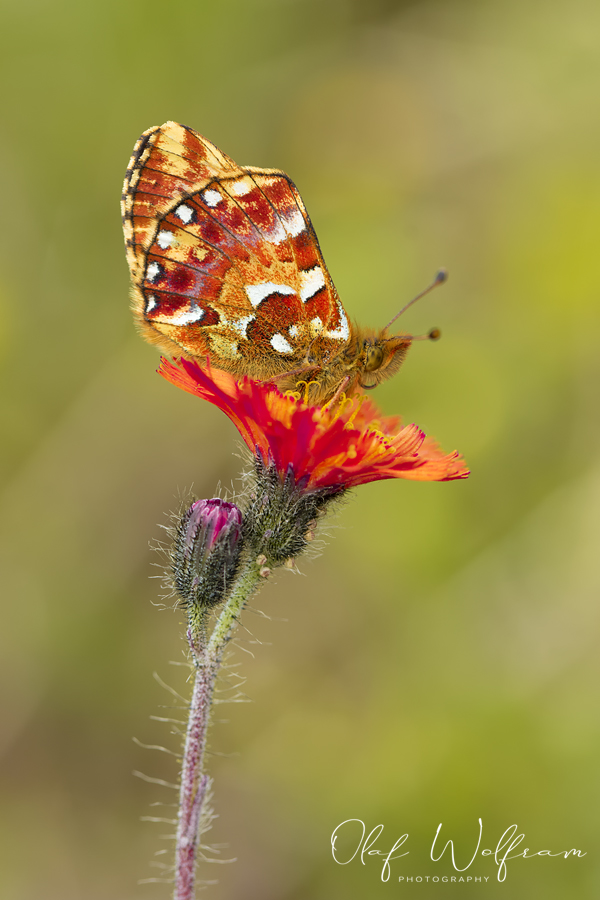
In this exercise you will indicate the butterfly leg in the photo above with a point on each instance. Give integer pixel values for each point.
(343, 384)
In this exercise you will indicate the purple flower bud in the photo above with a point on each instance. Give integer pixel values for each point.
(213, 518)
(206, 551)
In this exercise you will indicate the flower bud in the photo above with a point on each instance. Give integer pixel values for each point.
(206, 552)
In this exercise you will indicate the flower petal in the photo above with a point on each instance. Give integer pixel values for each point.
(342, 446)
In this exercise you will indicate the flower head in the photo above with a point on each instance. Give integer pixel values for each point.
(339, 445)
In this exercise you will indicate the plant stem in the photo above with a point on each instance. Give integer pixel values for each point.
(207, 658)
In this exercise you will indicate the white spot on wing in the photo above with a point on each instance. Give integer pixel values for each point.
(151, 304)
(279, 343)
(257, 292)
(311, 282)
(242, 187)
(187, 316)
(277, 235)
(240, 324)
(152, 271)
(211, 198)
(185, 213)
(293, 331)
(295, 223)
(165, 239)
(343, 332)
(316, 324)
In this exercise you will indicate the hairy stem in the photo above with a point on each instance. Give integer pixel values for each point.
(207, 657)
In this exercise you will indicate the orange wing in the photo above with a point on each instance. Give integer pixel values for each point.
(224, 260)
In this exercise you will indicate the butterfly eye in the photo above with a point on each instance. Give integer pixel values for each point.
(373, 357)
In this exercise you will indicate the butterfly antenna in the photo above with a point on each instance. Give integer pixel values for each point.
(433, 335)
(440, 278)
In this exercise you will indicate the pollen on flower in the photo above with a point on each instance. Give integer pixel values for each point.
(377, 432)
(359, 400)
(298, 395)
(337, 406)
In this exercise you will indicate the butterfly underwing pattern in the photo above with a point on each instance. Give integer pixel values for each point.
(225, 265)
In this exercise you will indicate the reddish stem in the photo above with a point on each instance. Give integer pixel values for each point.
(207, 658)
(193, 781)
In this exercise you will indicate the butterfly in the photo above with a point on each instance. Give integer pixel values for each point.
(225, 265)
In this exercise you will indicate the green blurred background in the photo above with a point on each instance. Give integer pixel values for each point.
(439, 661)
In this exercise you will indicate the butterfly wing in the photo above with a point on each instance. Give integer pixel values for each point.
(224, 259)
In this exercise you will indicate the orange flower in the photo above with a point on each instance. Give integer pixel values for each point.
(339, 445)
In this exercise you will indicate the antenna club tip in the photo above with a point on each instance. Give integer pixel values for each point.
(435, 334)
(442, 275)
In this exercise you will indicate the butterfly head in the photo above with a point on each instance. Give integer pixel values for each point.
(381, 357)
